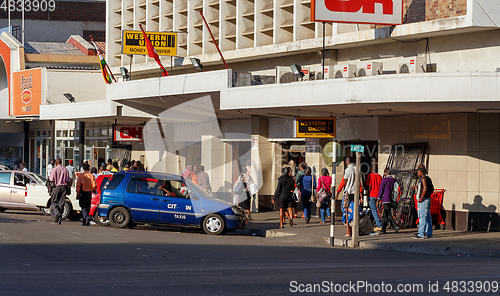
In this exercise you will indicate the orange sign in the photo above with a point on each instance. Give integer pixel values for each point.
(27, 92)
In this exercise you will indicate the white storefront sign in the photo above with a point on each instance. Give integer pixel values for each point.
(383, 12)
(127, 133)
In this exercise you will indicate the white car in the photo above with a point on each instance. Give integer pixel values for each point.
(25, 190)
(4, 168)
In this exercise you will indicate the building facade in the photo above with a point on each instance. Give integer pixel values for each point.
(430, 80)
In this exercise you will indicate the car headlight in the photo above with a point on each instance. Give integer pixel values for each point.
(236, 210)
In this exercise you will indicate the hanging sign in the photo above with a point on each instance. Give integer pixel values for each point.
(315, 127)
(164, 43)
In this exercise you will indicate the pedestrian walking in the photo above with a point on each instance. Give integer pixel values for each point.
(425, 188)
(348, 199)
(84, 187)
(373, 181)
(245, 187)
(325, 183)
(110, 165)
(300, 173)
(307, 183)
(283, 194)
(386, 193)
(71, 170)
(204, 180)
(60, 176)
(50, 167)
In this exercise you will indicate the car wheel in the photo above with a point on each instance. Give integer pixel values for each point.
(119, 217)
(214, 224)
(67, 210)
(2, 210)
(100, 220)
(45, 211)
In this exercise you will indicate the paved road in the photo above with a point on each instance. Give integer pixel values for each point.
(39, 257)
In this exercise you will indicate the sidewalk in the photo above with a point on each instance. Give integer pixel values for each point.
(444, 242)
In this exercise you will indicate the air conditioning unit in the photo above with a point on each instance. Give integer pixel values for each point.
(412, 65)
(328, 72)
(284, 74)
(370, 69)
(344, 71)
(307, 72)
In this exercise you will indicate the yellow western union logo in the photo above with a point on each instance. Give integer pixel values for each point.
(133, 43)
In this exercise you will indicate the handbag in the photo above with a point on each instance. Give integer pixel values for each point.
(323, 194)
(313, 194)
(253, 188)
(297, 195)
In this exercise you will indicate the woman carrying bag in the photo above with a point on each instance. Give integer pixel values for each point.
(306, 185)
(324, 194)
(283, 193)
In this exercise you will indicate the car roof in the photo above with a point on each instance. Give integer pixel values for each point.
(158, 174)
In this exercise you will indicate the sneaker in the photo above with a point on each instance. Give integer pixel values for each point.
(426, 236)
(396, 230)
(415, 235)
(418, 237)
(377, 228)
(374, 233)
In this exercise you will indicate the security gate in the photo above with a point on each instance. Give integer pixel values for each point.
(403, 161)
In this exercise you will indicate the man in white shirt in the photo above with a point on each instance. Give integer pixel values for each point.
(349, 189)
(72, 170)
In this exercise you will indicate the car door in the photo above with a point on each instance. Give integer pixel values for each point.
(142, 198)
(5, 187)
(18, 192)
(178, 208)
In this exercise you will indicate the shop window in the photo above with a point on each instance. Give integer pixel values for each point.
(104, 132)
(65, 134)
(71, 133)
(38, 133)
(71, 143)
(101, 143)
(96, 132)
(88, 132)
(89, 143)
(44, 133)
(58, 153)
(58, 133)
(59, 143)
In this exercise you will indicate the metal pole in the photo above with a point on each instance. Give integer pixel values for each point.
(323, 53)
(171, 65)
(22, 23)
(81, 143)
(355, 220)
(332, 198)
(213, 38)
(130, 70)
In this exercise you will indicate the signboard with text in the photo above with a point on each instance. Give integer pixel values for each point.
(358, 148)
(164, 43)
(382, 12)
(27, 92)
(315, 127)
(129, 133)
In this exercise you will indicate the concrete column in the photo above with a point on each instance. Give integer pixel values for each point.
(262, 162)
(26, 154)
(213, 158)
(81, 142)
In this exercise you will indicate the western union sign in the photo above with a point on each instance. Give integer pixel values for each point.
(316, 127)
(164, 43)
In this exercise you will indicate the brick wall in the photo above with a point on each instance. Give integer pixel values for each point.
(428, 10)
(439, 9)
(65, 11)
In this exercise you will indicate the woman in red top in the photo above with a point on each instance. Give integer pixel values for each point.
(325, 181)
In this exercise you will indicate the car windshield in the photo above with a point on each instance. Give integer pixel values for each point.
(38, 178)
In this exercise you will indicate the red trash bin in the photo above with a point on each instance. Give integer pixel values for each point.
(436, 205)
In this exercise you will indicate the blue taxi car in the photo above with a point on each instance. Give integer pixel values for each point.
(136, 197)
